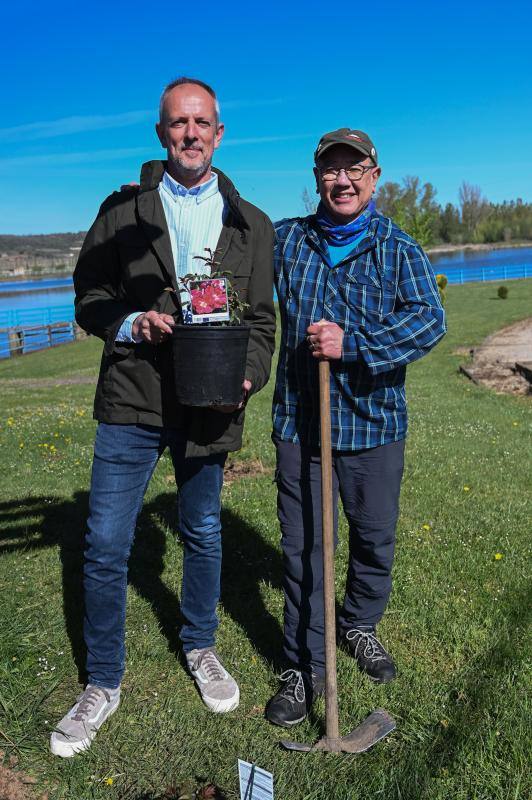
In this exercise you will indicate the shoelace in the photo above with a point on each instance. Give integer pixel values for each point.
(87, 701)
(294, 685)
(211, 666)
(373, 649)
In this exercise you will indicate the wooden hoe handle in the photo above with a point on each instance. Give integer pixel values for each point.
(331, 700)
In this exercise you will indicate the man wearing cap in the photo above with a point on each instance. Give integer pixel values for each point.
(356, 290)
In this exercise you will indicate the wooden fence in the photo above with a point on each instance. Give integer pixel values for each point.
(22, 339)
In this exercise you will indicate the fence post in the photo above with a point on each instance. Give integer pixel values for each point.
(15, 342)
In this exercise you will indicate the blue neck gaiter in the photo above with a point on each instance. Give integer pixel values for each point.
(344, 234)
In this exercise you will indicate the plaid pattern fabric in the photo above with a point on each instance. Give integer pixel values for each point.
(384, 295)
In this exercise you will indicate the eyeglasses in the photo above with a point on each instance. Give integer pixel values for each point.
(353, 173)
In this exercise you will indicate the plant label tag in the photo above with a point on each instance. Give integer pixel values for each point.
(255, 783)
(208, 300)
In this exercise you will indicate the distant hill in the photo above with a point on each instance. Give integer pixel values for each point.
(40, 255)
(41, 244)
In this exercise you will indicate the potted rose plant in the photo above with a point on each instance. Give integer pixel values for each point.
(210, 345)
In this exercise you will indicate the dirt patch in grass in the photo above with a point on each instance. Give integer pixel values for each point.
(493, 362)
(243, 468)
(234, 470)
(15, 785)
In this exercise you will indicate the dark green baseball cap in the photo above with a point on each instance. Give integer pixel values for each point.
(358, 140)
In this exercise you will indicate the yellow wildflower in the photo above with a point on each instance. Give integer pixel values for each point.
(426, 527)
(467, 488)
(108, 781)
(498, 556)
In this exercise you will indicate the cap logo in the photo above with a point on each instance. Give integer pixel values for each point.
(372, 151)
(354, 136)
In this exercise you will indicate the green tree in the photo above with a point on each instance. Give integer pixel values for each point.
(412, 206)
(450, 227)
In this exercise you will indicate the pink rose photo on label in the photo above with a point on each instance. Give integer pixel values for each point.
(208, 298)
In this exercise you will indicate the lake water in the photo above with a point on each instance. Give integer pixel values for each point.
(22, 301)
(507, 256)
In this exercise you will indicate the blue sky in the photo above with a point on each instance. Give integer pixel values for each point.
(443, 89)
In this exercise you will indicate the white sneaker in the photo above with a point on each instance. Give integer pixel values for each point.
(218, 690)
(75, 732)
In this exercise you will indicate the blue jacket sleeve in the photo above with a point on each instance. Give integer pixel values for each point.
(415, 325)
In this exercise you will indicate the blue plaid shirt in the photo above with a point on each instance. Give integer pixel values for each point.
(384, 296)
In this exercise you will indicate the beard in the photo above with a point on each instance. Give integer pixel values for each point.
(188, 171)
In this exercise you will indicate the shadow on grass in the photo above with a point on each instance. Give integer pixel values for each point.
(247, 560)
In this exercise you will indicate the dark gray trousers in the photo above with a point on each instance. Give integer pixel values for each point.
(368, 482)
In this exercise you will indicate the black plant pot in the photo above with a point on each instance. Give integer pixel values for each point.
(209, 363)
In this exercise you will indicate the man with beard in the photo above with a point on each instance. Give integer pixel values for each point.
(142, 241)
(356, 290)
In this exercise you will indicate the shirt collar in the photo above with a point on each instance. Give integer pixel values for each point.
(201, 192)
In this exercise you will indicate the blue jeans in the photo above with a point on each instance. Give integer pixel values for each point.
(125, 457)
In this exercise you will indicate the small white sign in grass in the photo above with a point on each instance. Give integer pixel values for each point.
(255, 783)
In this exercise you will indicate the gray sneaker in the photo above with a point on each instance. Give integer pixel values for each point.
(218, 690)
(75, 732)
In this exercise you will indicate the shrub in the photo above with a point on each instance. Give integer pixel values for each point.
(502, 292)
(442, 282)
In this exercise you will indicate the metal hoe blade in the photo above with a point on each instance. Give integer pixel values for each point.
(374, 728)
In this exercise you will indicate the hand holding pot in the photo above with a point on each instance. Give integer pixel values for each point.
(246, 386)
(153, 327)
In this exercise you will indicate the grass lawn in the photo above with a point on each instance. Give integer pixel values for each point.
(457, 621)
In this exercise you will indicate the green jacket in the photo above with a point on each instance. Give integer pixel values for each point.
(125, 265)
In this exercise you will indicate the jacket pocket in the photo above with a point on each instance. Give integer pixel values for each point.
(363, 294)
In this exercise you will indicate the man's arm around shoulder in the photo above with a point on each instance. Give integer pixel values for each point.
(261, 314)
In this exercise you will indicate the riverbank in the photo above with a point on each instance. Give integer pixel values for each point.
(475, 248)
(37, 276)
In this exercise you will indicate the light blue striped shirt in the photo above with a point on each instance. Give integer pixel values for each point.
(194, 218)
